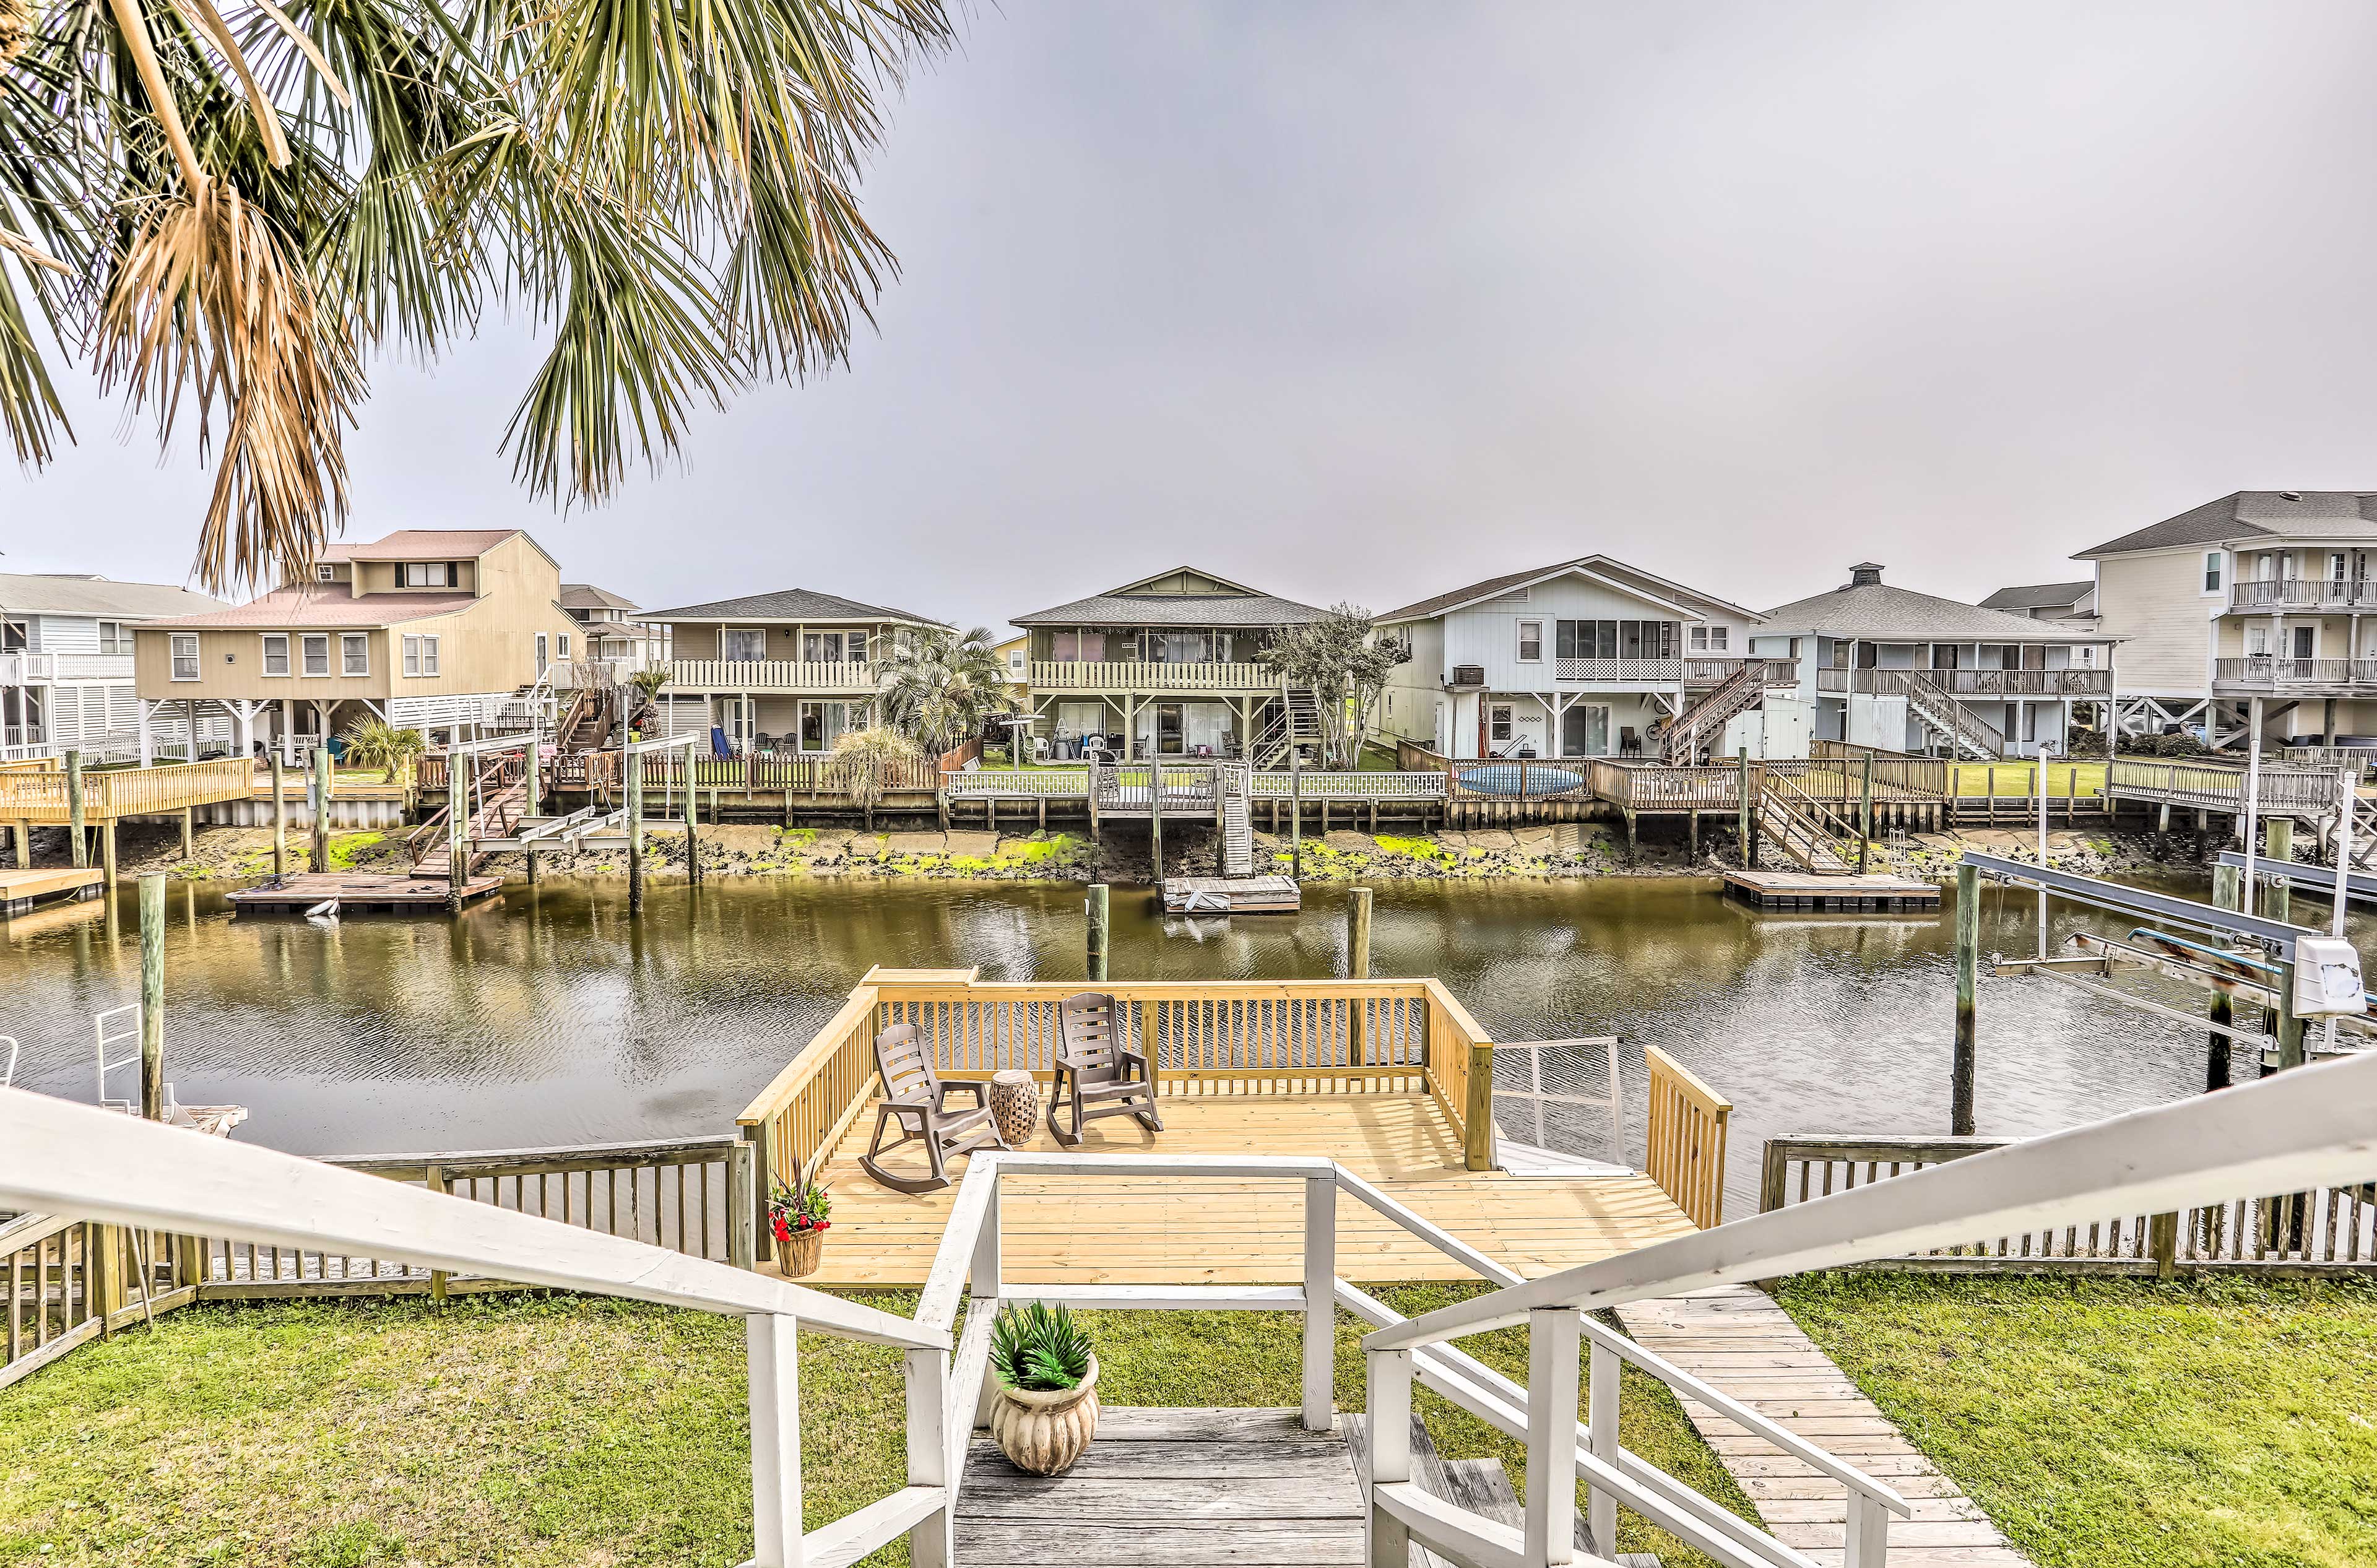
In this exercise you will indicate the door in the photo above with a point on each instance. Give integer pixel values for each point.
(2304, 635)
(540, 654)
(1584, 731)
(1170, 738)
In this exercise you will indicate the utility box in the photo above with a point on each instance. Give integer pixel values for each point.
(2327, 979)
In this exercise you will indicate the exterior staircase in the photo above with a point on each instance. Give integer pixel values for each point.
(502, 794)
(585, 725)
(1803, 828)
(1238, 833)
(1688, 736)
(1967, 733)
(1295, 725)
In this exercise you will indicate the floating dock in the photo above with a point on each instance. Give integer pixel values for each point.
(1802, 891)
(356, 892)
(19, 890)
(1231, 895)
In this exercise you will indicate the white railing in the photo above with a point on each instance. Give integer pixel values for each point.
(1078, 675)
(2300, 592)
(771, 675)
(28, 751)
(92, 666)
(16, 669)
(108, 1168)
(2311, 1126)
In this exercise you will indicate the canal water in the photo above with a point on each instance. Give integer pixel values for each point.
(553, 1017)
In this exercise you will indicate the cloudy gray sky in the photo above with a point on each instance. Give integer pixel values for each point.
(1365, 300)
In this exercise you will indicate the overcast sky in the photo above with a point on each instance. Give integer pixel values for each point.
(1363, 301)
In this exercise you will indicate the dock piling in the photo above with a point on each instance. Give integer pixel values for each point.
(1865, 822)
(1295, 810)
(188, 833)
(692, 841)
(457, 839)
(1968, 969)
(152, 996)
(1742, 792)
(321, 788)
(1098, 932)
(76, 839)
(634, 769)
(280, 821)
(107, 853)
(1358, 966)
(2227, 892)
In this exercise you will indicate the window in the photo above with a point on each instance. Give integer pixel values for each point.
(1699, 640)
(743, 645)
(542, 647)
(2212, 571)
(854, 647)
(1717, 638)
(564, 645)
(1614, 640)
(431, 574)
(420, 655)
(185, 655)
(276, 652)
(2335, 566)
(315, 648)
(821, 647)
(1498, 723)
(354, 653)
(323, 570)
(1531, 643)
(113, 638)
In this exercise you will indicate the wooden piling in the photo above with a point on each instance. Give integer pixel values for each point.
(1742, 794)
(2227, 892)
(2289, 1029)
(1295, 812)
(188, 833)
(634, 770)
(152, 996)
(77, 836)
(23, 832)
(692, 821)
(280, 821)
(458, 838)
(1156, 817)
(107, 853)
(1865, 822)
(1968, 970)
(1358, 966)
(321, 788)
(1098, 931)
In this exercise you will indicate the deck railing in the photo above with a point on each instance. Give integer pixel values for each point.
(42, 797)
(20, 669)
(2222, 787)
(822, 774)
(1685, 1146)
(1957, 682)
(2264, 670)
(772, 674)
(1077, 674)
(2303, 593)
(2325, 1230)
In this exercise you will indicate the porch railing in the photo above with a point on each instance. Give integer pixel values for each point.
(44, 797)
(1971, 683)
(2301, 593)
(21, 669)
(1080, 675)
(2264, 670)
(771, 675)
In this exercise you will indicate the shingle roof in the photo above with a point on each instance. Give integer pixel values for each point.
(75, 594)
(1877, 612)
(324, 605)
(2037, 596)
(1494, 587)
(1175, 609)
(586, 596)
(788, 605)
(422, 544)
(2254, 514)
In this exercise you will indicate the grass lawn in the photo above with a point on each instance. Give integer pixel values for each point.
(2020, 777)
(518, 1429)
(2112, 1423)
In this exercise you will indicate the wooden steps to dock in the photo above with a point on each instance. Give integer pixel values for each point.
(1739, 1339)
(20, 889)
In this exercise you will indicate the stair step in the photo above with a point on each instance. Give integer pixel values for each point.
(1481, 1486)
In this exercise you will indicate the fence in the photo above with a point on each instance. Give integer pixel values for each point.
(823, 775)
(1685, 1142)
(2299, 791)
(2320, 1230)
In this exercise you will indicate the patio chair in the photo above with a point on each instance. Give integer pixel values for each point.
(1107, 1077)
(915, 1100)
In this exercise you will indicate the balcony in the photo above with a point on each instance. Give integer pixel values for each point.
(1149, 676)
(771, 675)
(25, 669)
(2260, 673)
(2275, 594)
(1980, 685)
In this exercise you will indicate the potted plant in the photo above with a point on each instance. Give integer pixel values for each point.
(1047, 1404)
(797, 1215)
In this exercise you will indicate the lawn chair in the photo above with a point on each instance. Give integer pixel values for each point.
(912, 1100)
(1091, 1057)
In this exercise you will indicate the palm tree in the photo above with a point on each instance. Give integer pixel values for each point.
(938, 688)
(232, 210)
(867, 752)
(373, 742)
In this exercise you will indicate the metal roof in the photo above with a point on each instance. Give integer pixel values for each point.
(62, 593)
(789, 605)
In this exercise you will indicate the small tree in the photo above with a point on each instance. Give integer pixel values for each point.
(868, 752)
(1345, 659)
(373, 742)
(938, 689)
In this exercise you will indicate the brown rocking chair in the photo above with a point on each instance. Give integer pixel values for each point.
(913, 1099)
(1107, 1077)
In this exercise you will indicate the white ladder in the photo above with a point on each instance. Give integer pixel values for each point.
(1238, 833)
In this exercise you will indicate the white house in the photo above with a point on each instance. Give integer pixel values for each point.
(66, 659)
(1582, 658)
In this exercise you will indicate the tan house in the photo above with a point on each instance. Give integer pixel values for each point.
(430, 628)
(788, 671)
(2261, 594)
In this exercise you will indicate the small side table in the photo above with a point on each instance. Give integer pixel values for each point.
(1014, 1106)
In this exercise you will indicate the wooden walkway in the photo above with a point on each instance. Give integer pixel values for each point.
(1170, 1231)
(1873, 892)
(20, 888)
(1170, 1489)
(1738, 1339)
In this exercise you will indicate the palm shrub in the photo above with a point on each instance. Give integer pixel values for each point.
(867, 752)
(940, 688)
(1039, 1348)
(373, 742)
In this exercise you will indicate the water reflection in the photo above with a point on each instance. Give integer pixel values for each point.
(554, 1017)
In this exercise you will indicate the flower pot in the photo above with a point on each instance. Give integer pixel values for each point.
(1044, 1434)
(802, 1252)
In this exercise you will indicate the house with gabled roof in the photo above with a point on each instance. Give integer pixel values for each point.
(790, 670)
(66, 659)
(1170, 665)
(1583, 657)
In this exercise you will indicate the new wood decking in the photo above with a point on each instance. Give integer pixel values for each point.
(21, 889)
(1738, 1339)
(357, 892)
(1169, 1230)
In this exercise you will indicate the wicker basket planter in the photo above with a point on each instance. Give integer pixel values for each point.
(802, 1252)
(1044, 1434)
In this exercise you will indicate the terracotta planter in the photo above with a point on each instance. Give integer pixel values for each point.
(1044, 1434)
(801, 1254)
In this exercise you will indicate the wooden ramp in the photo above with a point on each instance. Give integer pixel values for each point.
(1170, 1231)
(1231, 895)
(1170, 1489)
(1737, 1338)
(20, 889)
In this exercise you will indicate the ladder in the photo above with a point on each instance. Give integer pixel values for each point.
(1238, 833)
(1690, 733)
(1802, 827)
(1967, 733)
(503, 798)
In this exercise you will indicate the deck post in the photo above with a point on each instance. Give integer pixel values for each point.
(1358, 966)
(321, 786)
(2227, 892)
(772, 1349)
(1388, 1398)
(1477, 1109)
(186, 832)
(76, 837)
(280, 819)
(1294, 810)
(1098, 933)
(1968, 969)
(692, 821)
(2278, 846)
(152, 996)
(1601, 1433)
(1319, 1301)
(1093, 802)
(1155, 816)
(931, 1543)
(23, 832)
(2289, 1029)
(1743, 804)
(742, 1208)
(1865, 822)
(107, 851)
(634, 767)
(457, 839)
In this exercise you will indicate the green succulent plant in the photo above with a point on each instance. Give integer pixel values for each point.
(1039, 1348)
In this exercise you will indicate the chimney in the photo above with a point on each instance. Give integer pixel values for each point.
(1865, 574)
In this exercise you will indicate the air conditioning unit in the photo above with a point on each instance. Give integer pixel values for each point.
(1468, 675)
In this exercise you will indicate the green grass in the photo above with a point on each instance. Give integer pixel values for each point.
(2113, 1423)
(541, 1432)
(2019, 777)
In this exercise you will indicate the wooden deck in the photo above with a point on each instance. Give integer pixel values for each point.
(20, 889)
(1738, 1339)
(1178, 1230)
(1804, 889)
(1231, 895)
(358, 892)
